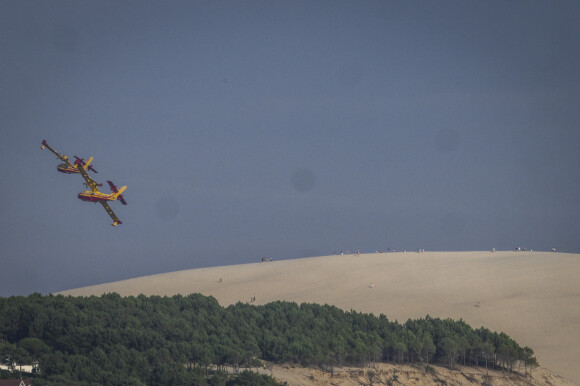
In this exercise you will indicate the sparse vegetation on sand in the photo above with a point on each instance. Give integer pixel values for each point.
(181, 340)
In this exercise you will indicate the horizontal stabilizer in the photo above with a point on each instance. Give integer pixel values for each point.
(85, 165)
(113, 187)
(118, 192)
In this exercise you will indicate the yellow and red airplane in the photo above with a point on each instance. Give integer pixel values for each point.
(94, 195)
(66, 166)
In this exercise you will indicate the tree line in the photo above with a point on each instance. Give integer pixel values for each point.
(192, 340)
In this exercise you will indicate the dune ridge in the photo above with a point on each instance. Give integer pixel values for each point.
(534, 297)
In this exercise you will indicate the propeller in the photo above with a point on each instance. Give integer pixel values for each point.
(81, 161)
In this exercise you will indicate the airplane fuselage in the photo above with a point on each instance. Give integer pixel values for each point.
(93, 195)
(89, 196)
(64, 168)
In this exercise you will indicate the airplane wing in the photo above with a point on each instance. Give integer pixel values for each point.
(90, 182)
(63, 158)
(111, 213)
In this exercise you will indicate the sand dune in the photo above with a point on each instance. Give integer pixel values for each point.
(390, 374)
(532, 296)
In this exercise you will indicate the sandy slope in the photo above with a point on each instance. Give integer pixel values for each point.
(532, 296)
(389, 374)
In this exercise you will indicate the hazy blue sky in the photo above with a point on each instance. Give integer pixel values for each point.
(285, 129)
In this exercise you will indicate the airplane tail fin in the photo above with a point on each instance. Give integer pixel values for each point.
(118, 192)
(43, 144)
(119, 196)
(86, 164)
(121, 190)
